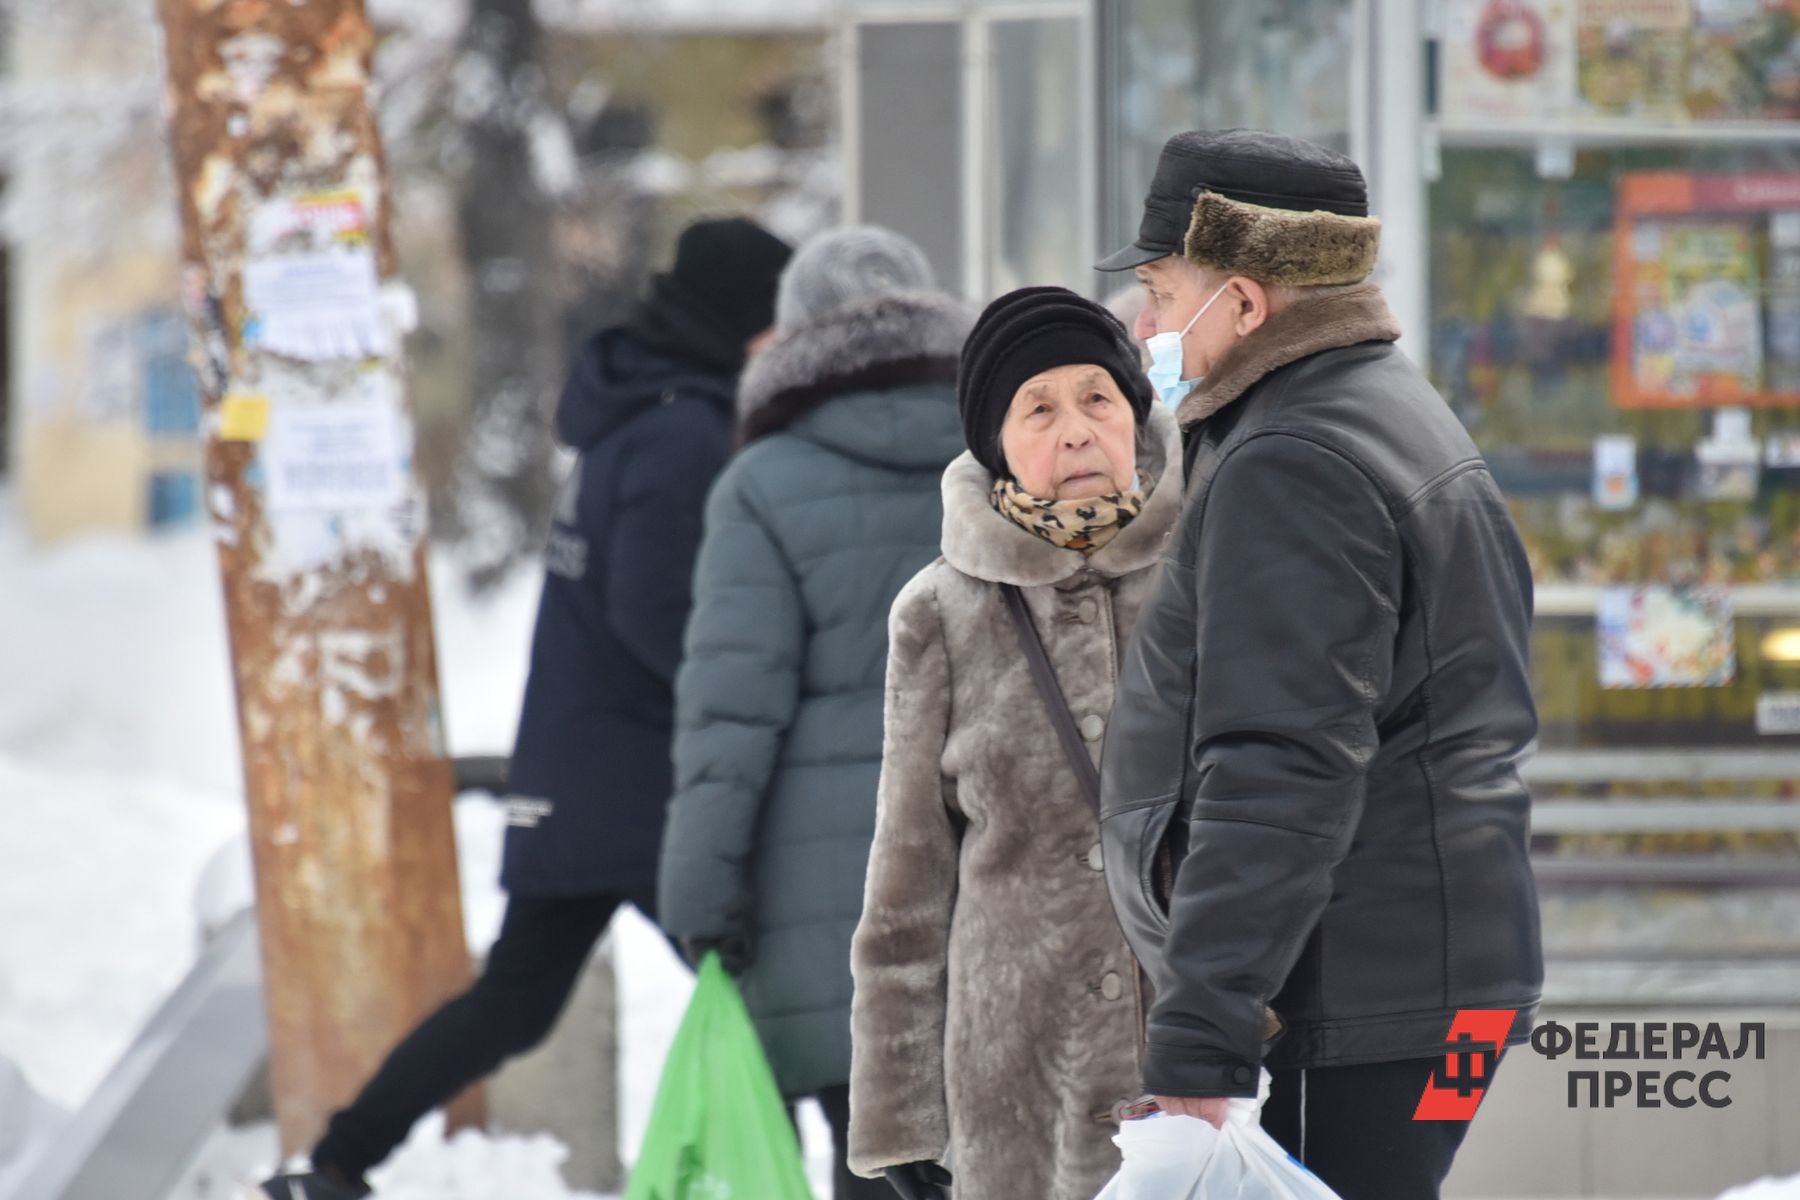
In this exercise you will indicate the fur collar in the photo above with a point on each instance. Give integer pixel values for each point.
(981, 543)
(1306, 327)
(894, 341)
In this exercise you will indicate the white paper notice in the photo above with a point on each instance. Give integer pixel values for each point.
(346, 456)
(1615, 473)
(1778, 713)
(317, 306)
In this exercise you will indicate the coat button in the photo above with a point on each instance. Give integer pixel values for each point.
(1242, 1074)
(1111, 986)
(1095, 858)
(1093, 726)
(1087, 610)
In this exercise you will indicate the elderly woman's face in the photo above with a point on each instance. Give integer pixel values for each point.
(1071, 435)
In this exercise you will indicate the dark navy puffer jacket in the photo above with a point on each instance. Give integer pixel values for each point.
(590, 775)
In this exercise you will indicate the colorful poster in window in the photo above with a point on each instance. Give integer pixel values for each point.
(1738, 53)
(1698, 319)
(1657, 637)
(1631, 54)
(1615, 472)
(1699, 313)
(1689, 61)
(1508, 59)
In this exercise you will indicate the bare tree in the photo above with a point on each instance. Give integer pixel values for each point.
(514, 148)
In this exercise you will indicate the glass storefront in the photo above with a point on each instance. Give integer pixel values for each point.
(1199, 64)
(972, 131)
(1038, 215)
(1623, 342)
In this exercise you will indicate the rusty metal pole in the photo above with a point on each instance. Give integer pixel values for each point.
(297, 313)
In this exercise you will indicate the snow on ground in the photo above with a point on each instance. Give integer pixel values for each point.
(120, 772)
(121, 777)
(119, 762)
(471, 1166)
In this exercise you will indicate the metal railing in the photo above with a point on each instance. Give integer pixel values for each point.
(156, 1107)
(1680, 814)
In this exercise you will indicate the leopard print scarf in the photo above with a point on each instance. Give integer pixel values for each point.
(1084, 525)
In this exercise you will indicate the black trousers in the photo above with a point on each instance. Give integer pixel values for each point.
(1353, 1128)
(835, 1101)
(531, 972)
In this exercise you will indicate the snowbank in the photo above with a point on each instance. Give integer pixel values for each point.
(120, 768)
(119, 764)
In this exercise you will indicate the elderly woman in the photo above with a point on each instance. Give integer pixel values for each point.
(994, 1024)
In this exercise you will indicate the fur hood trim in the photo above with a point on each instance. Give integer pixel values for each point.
(894, 341)
(1306, 327)
(1279, 245)
(981, 543)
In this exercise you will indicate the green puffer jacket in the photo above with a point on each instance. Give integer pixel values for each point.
(810, 534)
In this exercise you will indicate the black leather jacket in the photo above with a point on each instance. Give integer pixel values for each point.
(1322, 713)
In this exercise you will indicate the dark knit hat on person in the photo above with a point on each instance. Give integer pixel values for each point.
(1029, 331)
(719, 294)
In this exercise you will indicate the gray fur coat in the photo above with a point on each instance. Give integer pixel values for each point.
(994, 1023)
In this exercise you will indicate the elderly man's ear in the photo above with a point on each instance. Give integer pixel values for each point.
(1254, 303)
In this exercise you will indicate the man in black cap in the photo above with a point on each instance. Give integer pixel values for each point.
(1323, 709)
(650, 406)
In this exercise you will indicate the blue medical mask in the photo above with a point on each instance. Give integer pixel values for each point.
(1166, 356)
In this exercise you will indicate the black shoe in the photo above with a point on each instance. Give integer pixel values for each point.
(311, 1185)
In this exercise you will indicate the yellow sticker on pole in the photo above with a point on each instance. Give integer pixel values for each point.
(243, 417)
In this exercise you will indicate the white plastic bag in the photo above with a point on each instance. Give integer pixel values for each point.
(1766, 1188)
(1184, 1158)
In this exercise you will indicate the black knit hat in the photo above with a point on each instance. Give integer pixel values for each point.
(1029, 331)
(719, 294)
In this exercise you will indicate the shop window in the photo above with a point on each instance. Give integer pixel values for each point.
(909, 138)
(1197, 64)
(174, 497)
(171, 393)
(1037, 229)
(1623, 341)
(1614, 290)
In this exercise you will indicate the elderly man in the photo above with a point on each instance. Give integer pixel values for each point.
(1314, 826)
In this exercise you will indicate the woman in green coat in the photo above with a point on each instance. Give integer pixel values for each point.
(850, 419)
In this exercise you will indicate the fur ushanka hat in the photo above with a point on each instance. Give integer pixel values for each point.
(1274, 208)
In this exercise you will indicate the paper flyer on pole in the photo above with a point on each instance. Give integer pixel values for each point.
(349, 455)
(310, 280)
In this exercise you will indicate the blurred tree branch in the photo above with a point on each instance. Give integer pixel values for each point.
(513, 150)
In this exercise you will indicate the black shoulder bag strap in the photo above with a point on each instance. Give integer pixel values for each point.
(1075, 747)
(1051, 692)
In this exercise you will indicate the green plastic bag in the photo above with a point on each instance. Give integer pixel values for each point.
(718, 1129)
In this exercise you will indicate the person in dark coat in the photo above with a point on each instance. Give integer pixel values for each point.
(811, 532)
(649, 407)
(1327, 698)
